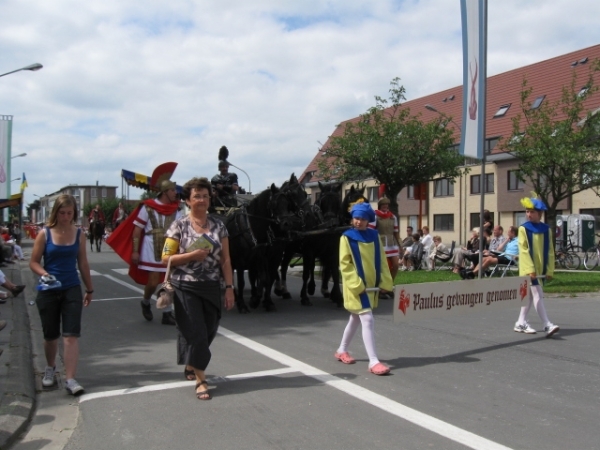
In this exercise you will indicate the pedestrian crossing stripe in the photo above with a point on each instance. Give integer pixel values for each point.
(94, 273)
(122, 271)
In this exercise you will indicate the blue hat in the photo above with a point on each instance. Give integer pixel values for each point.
(363, 211)
(534, 203)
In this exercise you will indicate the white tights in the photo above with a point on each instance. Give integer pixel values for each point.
(368, 334)
(537, 299)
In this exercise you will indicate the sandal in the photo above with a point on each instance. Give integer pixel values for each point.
(202, 395)
(16, 290)
(189, 375)
(379, 369)
(344, 357)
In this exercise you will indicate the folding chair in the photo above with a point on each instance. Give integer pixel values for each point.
(502, 269)
(445, 259)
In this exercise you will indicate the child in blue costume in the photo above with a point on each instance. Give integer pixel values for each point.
(363, 265)
(536, 260)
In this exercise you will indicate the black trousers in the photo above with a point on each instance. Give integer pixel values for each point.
(197, 313)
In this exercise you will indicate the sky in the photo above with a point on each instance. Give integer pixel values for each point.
(130, 84)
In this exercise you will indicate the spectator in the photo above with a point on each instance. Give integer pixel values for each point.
(439, 251)
(509, 251)
(497, 238)
(461, 253)
(427, 242)
(412, 257)
(386, 224)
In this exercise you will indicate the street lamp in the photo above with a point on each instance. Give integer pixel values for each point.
(32, 67)
(15, 179)
(18, 156)
(432, 108)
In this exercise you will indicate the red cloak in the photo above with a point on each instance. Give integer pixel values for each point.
(121, 240)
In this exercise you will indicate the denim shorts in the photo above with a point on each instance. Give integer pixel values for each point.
(60, 305)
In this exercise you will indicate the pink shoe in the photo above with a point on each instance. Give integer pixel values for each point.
(344, 357)
(379, 369)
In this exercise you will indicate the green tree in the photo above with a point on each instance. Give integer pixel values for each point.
(393, 146)
(557, 144)
(108, 207)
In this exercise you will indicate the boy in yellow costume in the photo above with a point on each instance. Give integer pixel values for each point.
(536, 260)
(364, 268)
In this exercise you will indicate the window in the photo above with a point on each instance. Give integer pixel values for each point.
(583, 91)
(103, 192)
(410, 192)
(93, 193)
(502, 110)
(476, 183)
(373, 193)
(443, 188)
(490, 143)
(537, 102)
(413, 222)
(520, 219)
(514, 183)
(443, 222)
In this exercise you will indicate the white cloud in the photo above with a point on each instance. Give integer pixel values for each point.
(130, 84)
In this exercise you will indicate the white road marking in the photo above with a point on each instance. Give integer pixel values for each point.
(122, 271)
(397, 409)
(178, 384)
(127, 285)
(94, 273)
(114, 298)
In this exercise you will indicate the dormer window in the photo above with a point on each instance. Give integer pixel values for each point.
(537, 102)
(503, 110)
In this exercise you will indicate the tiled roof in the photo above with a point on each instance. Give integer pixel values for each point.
(545, 78)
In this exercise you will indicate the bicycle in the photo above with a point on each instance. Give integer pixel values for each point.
(568, 255)
(592, 256)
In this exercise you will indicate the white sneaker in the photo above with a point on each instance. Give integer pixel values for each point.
(550, 329)
(48, 379)
(73, 387)
(524, 328)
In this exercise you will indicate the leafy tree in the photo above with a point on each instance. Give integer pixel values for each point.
(558, 144)
(108, 207)
(148, 195)
(395, 147)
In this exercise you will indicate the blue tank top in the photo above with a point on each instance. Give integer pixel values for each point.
(61, 261)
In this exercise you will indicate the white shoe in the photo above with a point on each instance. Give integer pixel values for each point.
(73, 387)
(550, 329)
(524, 328)
(48, 380)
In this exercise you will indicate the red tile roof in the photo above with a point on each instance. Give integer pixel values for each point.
(545, 78)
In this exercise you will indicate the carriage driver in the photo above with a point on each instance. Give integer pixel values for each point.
(225, 183)
(96, 214)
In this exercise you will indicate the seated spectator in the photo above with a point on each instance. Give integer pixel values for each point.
(497, 238)
(460, 254)
(412, 257)
(8, 241)
(439, 251)
(407, 241)
(509, 251)
(12, 288)
(427, 241)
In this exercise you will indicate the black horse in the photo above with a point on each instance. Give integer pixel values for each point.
(320, 240)
(96, 234)
(258, 234)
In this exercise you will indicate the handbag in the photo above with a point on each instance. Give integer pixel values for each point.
(166, 292)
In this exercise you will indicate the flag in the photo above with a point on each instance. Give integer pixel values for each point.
(24, 183)
(474, 33)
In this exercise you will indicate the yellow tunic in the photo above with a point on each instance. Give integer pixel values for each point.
(529, 264)
(353, 285)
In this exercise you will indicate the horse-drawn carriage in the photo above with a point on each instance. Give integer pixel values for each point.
(268, 229)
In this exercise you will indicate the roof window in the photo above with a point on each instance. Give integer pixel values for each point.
(502, 111)
(583, 91)
(538, 101)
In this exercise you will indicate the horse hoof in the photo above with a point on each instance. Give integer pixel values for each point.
(287, 296)
(310, 290)
(254, 304)
(325, 294)
(243, 309)
(270, 307)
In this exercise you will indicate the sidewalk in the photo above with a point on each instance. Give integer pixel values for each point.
(17, 380)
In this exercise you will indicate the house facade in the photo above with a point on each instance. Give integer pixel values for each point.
(451, 207)
(84, 195)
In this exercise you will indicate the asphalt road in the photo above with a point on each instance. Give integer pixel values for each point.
(468, 382)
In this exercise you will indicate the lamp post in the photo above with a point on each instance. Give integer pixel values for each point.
(18, 156)
(31, 67)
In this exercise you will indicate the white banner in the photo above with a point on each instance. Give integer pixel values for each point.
(5, 140)
(446, 298)
(474, 18)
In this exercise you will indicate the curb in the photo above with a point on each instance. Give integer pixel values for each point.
(18, 401)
